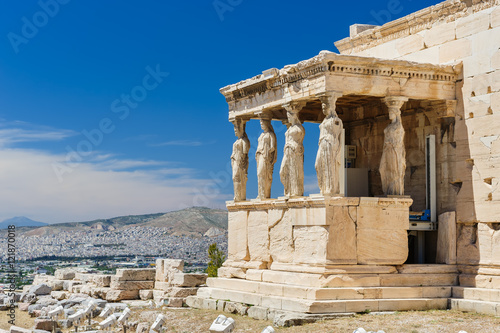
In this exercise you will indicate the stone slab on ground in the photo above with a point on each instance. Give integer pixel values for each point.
(65, 274)
(467, 305)
(139, 274)
(118, 295)
(130, 285)
(102, 280)
(188, 280)
(146, 294)
(17, 329)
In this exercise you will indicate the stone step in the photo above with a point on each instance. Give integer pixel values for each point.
(479, 294)
(322, 306)
(469, 305)
(352, 280)
(313, 293)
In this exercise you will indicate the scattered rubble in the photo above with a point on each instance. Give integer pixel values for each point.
(74, 298)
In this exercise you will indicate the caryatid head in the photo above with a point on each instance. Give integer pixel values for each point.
(265, 124)
(293, 118)
(329, 103)
(394, 114)
(239, 127)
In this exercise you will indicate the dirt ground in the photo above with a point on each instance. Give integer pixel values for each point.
(192, 321)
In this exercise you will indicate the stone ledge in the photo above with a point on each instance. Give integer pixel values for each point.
(315, 307)
(466, 305)
(311, 293)
(280, 318)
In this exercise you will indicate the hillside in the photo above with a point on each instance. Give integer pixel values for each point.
(21, 221)
(194, 221)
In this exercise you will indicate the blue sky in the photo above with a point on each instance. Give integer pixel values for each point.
(112, 108)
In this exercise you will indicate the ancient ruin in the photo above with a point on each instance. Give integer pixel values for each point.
(407, 212)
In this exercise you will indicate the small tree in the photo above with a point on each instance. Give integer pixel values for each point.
(217, 257)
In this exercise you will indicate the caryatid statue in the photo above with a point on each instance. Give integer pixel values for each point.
(292, 166)
(239, 160)
(328, 158)
(266, 156)
(393, 162)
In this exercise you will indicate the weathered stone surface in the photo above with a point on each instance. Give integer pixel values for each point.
(41, 289)
(130, 285)
(119, 295)
(472, 24)
(341, 222)
(188, 280)
(489, 243)
(281, 238)
(43, 324)
(440, 34)
(68, 285)
(382, 246)
(174, 302)
(455, 50)
(467, 244)
(165, 268)
(447, 239)
(17, 329)
(258, 236)
(84, 277)
(64, 323)
(56, 285)
(257, 312)
(146, 294)
(410, 44)
(194, 302)
(142, 328)
(229, 272)
(237, 242)
(138, 274)
(102, 280)
(310, 244)
(23, 306)
(64, 274)
(100, 292)
(180, 292)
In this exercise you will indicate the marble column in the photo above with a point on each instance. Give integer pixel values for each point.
(329, 159)
(292, 166)
(239, 160)
(265, 156)
(393, 162)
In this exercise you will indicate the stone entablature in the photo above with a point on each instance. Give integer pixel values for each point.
(447, 11)
(346, 75)
(318, 231)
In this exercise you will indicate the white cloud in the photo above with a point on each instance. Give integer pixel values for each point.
(17, 132)
(31, 188)
(100, 186)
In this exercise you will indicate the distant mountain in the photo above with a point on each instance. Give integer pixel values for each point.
(194, 221)
(21, 221)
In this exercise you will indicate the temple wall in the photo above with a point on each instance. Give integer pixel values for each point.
(319, 231)
(471, 36)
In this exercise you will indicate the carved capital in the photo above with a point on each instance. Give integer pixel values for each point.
(447, 109)
(328, 101)
(265, 114)
(239, 126)
(294, 106)
(394, 103)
